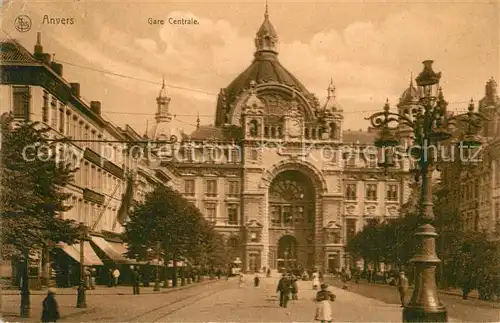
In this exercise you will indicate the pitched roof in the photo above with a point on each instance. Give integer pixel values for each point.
(12, 51)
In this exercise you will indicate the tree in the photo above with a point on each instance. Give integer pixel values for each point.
(167, 217)
(33, 195)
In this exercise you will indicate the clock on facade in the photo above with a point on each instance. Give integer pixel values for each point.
(294, 128)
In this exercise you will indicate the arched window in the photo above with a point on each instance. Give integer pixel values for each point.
(313, 133)
(279, 132)
(266, 132)
(307, 133)
(273, 132)
(254, 128)
(333, 131)
(291, 199)
(320, 133)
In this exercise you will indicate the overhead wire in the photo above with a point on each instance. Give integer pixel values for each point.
(174, 86)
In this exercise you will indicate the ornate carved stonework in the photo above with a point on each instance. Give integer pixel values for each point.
(392, 210)
(350, 209)
(253, 224)
(371, 210)
(332, 225)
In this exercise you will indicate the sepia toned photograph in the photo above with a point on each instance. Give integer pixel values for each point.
(249, 161)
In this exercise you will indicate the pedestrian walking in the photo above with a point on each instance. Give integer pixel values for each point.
(116, 275)
(402, 287)
(86, 278)
(256, 280)
(315, 279)
(284, 286)
(294, 288)
(110, 278)
(136, 280)
(268, 273)
(241, 282)
(50, 309)
(91, 278)
(323, 306)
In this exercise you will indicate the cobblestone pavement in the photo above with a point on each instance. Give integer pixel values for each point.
(103, 303)
(225, 301)
(471, 310)
(250, 304)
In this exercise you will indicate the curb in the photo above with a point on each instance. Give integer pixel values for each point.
(441, 291)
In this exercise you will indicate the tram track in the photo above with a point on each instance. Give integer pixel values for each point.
(158, 313)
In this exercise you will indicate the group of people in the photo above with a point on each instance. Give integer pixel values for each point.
(287, 286)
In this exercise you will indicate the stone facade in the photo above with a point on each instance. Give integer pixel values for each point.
(273, 171)
(477, 196)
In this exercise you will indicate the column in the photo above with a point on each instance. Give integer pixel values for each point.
(265, 231)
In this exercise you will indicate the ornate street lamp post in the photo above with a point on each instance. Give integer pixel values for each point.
(286, 260)
(429, 121)
(81, 301)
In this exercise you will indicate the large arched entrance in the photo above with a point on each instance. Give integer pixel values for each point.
(291, 223)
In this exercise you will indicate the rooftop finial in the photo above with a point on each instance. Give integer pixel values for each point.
(163, 81)
(411, 78)
(266, 13)
(198, 121)
(331, 90)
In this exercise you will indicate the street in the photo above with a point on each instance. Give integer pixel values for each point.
(225, 301)
(221, 301)
(471, 310)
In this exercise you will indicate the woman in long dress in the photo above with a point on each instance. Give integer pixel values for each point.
(315, 279)
(323, 307)
(241, 282)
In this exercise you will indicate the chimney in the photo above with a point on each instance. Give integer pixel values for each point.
(75, 87)
(57, 68)
(45, 58)
(38, 46)
(95, 106)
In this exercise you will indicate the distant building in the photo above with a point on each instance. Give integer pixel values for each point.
(474, 187)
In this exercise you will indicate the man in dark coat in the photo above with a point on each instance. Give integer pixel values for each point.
(50, 311)
(402, 287)
(284, 286)
(136, 281)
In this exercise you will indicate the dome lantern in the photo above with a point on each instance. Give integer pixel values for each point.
(266, 39)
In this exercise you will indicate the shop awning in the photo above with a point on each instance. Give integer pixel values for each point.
(89, 255)
(114, 251)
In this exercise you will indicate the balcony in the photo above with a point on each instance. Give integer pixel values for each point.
(93, 196)
(113, 169)
(92, 156)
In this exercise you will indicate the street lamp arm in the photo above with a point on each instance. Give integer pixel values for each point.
(385, 118)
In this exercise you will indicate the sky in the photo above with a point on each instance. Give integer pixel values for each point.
(369, 49)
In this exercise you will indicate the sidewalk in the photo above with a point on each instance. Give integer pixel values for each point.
(101, 290)
(67, 300)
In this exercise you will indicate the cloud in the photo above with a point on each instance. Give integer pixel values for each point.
(368, 60)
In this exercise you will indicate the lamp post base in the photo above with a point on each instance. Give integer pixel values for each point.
(157, 286)
(418, 314)
(81, 301)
